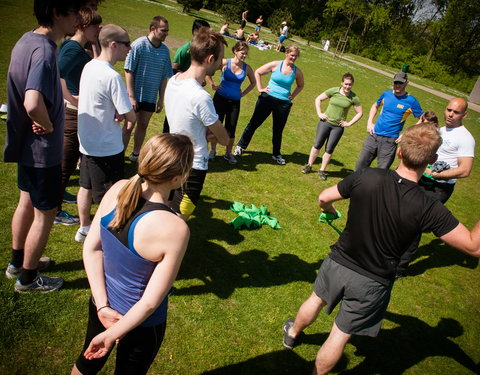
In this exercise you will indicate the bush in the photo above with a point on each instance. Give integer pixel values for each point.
(190, 4)
(275, 20)
(232, 12)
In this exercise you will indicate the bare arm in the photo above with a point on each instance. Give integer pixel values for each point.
(161, 94)
(37, 110)
(300, 83)
(358, 116)
(464, 240)
(371, 116)
(264, 69)
(465, 165)
(318, 106)
(218, 132)
(251, 78)
(72, 99)
(327, 197)
(129, 79)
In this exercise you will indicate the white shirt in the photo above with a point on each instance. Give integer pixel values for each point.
(456, 143)
(102, 91)
(189, 109)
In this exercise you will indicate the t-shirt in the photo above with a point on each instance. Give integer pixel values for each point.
(102, 92)
(395, 111)
(33, 66)
(182, 57)
(339, 104)
(285, 31)
(456, 143)
(150, 65)
(386, 213)
(189, 109)
(71, 60)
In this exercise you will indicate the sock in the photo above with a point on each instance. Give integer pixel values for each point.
(17, 257)
(27, 276)
(85, 229)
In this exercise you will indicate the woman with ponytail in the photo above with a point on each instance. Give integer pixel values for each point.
(132, 255)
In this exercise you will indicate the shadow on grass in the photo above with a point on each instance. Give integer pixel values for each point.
(221, 272)
(439, 255)
(392, 352)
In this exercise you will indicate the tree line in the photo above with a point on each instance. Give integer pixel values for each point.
(438, 39)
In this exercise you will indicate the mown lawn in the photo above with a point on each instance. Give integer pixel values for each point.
(236, 288)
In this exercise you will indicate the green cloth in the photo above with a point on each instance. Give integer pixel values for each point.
(339, 105)
(252, 216)
(182, 57)
(328, 217)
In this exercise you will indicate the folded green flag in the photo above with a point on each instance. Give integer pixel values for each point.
(252, 216)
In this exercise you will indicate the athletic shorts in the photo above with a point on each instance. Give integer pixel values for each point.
(99, 173)
(147, 107)
(43, 184)
(282, 38)
(135, 352)
(364, 301)
(185, 199)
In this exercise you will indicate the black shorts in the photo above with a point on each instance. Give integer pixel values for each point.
(135, 352)
(99, 173)
(147, 107)
(185, 199)
(43, 184)
(364, 300)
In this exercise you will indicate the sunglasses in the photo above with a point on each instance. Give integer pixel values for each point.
(126, 44)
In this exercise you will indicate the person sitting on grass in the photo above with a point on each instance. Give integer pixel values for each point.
(131, 267)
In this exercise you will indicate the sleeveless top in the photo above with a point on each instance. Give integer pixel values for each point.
(232, 82)
(280, 84)
(126, 272)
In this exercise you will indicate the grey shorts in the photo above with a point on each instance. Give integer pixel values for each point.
(364, 301)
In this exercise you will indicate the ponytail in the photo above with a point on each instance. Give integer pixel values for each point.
(128, 198)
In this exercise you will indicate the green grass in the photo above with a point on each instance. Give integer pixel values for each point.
(236, 288)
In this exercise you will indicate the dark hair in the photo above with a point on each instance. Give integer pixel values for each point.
(44, 10)
(156, 21)
(206, 41)
(88, 17)
(197, 24)
(240, 46)
(348, 76)
(431, 117)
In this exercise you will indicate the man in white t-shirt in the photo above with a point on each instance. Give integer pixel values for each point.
(190, 111)
(102, 103)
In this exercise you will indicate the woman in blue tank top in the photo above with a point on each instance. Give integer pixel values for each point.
(275, 99)
(228, 94)
(130, 267)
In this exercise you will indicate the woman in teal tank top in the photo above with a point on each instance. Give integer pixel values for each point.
(275, 99)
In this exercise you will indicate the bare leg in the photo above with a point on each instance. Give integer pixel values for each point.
(213, 145)
(75, 371)
(331, 351)
(37, 237)
(313, 156)
(22, 221)
(307, 314)
(84, 203)
(143, 118)
(325, 160)
(127, 132)
(230, 145)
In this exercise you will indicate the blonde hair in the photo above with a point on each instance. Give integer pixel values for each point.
(162, 158)
(419, 145)
(292, 48)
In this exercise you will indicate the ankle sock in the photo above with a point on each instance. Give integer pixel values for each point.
(17, 257)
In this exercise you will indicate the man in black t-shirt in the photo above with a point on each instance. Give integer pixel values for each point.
(387, 211)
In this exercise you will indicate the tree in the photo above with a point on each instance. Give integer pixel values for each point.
(190, 4)
(232, 11)
(311, 30)
(278, 16)
(352, 10)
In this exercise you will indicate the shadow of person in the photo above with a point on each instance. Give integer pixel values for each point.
(395, 350)
(437, 254)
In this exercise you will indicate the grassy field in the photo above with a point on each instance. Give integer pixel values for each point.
(236, 288)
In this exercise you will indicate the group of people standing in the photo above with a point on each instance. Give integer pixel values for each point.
(131, 267)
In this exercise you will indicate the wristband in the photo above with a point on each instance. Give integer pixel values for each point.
(102, 308)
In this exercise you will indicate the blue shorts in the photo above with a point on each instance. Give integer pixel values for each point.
(43, 184)
(282, 38)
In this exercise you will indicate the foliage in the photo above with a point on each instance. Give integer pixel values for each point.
(188, 5)
(311, 30)
(232, 11)
(278, 16)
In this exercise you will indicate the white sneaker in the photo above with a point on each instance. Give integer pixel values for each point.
(238, 151)
(230, 159)
(279, 160)
(80, 236)
(212, 154)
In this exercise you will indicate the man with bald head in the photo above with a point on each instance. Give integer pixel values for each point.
(102, 103)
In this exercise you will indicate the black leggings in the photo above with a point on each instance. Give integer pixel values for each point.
(330, 133)
(229, 110)
(135, 352)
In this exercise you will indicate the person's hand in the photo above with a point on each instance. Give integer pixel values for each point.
(399, 139)
(323, 117)
(344, 124)
(99, 346)
(108, 316)
(265, 90)
(216, 87)
(133, 102)
(370, 127)
(41, 130)
(159, 106)
(118, 117)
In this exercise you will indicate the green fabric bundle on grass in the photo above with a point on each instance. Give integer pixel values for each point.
(252, 216)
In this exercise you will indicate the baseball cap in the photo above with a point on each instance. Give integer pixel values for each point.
(284, 23)
(400, 77)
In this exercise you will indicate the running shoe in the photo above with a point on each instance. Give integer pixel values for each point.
(64, 218)
(69, 198)
(288, 341)
(307, 169)
(212, 154)
(13, 272)
(230, 159)
(80, 236)
(238, 151)
(41, 283)
(133, 157)
(322, 175)
(278, 159)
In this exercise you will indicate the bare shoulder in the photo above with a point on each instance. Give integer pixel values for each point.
(109, 200)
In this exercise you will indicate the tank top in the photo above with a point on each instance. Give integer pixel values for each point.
(126, 272)
(232, 82)
(280, 84)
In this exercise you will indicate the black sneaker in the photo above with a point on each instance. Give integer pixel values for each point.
(288, 341)
(69, 198)
(307, 169)
(322, 175)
